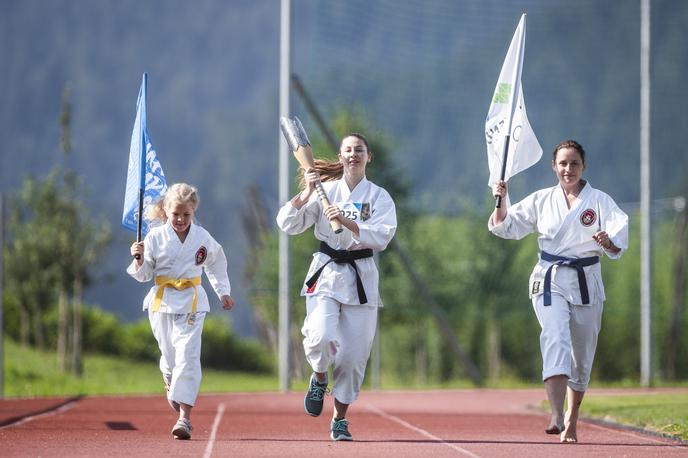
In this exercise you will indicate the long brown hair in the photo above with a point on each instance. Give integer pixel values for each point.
(328, 170)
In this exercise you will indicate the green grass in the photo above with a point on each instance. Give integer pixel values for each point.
(661, 413)
(30, 373)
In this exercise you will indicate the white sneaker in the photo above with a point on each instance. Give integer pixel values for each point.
(182, 429)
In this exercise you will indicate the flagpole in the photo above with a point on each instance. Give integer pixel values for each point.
(516, 78)
(142, 172)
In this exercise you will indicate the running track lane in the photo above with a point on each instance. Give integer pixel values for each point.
(462, 423)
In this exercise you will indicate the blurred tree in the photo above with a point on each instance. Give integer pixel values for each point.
(52, 245)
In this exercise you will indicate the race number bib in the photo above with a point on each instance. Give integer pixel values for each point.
(355, 210)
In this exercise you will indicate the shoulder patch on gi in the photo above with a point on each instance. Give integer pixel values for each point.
(201, 254)
(588, 217)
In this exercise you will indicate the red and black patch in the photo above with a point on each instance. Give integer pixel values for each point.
(201, 254)
(588, 217)
(312, 288)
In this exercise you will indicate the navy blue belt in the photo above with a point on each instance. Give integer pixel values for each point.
(343, 257)
(576, 263)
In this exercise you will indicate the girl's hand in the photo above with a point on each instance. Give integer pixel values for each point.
(227, 302)
(137, 249)
(499, 189)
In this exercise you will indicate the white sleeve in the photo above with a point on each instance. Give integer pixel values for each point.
(294, 221)
(521, 220)
(615, 224)
(377, 232)
(216, 269)
(145, 272)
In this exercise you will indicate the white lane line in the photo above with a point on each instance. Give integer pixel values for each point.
(62, 408)
(423, 432)
(213, 432)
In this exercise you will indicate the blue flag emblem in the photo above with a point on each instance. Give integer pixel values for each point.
(144, 172)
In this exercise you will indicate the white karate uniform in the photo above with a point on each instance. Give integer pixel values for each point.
(175, 327)
(569, 327)
(338, 329)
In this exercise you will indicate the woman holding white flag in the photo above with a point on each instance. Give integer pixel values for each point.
(576, 224)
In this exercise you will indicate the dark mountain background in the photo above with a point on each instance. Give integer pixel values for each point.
(420, 71)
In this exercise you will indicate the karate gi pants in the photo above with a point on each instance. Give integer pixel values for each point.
(568, 339)
(340, 335)
(179, 340)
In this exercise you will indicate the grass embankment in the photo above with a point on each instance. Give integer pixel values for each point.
(30, 373)
(659, 412)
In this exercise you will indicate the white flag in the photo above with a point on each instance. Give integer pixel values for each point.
(507, 116)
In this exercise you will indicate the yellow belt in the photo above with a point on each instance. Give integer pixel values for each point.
(178, 284)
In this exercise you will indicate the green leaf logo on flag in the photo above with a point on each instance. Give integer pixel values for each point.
(502, 93)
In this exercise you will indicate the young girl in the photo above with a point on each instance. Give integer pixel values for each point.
(174, 255)
(342, 283)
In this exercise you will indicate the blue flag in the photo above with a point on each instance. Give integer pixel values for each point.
(144, 174)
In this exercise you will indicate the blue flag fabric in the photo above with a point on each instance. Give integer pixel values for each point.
(144, 171)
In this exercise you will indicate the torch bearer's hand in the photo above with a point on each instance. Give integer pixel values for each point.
(333, 212)
(311, 177)
(137, 249)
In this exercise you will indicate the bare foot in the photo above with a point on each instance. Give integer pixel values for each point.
(569, 436)
(556, 425)
(554, 429)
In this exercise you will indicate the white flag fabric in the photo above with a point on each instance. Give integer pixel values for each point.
(507, 116)
(144, 171)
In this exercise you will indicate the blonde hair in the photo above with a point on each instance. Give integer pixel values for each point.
(178, 193)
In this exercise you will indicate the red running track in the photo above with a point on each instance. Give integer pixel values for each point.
(457, 423)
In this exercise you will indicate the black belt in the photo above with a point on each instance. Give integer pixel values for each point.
(343, 257)
(576, 263)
